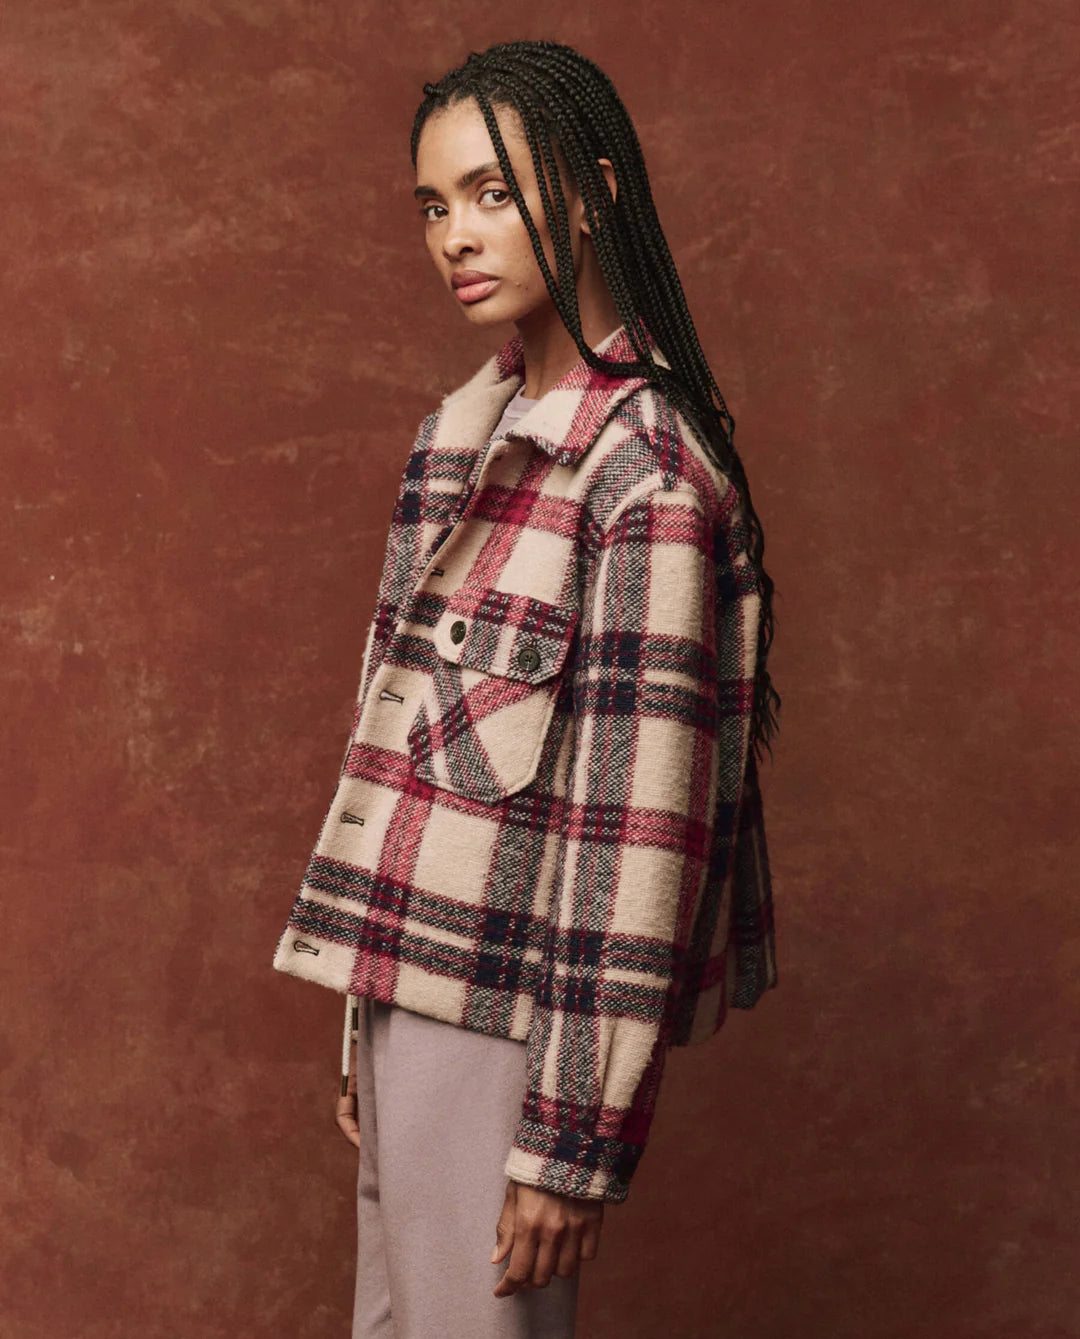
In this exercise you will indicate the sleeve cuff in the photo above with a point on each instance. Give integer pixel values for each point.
(572, 1163)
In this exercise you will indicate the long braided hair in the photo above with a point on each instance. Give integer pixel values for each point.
(566, 102)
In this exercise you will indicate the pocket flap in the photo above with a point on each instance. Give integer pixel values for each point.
(498, 632)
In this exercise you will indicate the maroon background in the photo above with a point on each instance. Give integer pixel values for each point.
(220, 332)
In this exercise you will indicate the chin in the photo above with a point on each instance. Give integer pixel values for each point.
(484, 313)
(505, 313)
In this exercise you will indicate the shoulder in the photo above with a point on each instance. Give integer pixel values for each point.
(648, 447)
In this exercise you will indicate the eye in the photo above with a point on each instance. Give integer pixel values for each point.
(496, 190)
(424, 211)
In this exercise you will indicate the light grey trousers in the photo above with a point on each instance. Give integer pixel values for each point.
(437, 1106)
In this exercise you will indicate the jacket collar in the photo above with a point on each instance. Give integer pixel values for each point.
(564, 422)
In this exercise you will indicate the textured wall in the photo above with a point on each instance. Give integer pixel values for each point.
(219, 334)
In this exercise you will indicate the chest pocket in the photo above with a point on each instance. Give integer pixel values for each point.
(491, 695)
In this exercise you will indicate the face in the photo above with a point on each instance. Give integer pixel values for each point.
(471, 223)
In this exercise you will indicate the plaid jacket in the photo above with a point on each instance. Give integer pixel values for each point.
(547, 823)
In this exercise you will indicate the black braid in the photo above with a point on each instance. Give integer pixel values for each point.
(566, 101)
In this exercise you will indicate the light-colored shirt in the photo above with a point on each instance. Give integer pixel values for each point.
(517, 408)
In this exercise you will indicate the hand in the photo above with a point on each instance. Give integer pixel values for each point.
(346, 1107)
(549, 1233)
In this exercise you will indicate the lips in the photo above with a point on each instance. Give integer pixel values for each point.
(463, 278)
(473, 285)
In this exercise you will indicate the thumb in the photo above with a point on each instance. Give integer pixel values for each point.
(502, 1244)
(504, 1234)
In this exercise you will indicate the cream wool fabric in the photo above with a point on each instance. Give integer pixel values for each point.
(547, 824)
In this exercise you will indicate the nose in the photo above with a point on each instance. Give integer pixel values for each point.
(460, 237)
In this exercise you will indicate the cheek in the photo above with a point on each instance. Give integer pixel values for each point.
(517, 247)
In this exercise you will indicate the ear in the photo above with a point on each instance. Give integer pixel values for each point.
(609, 177)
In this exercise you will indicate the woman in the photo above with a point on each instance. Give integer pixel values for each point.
(545, 862)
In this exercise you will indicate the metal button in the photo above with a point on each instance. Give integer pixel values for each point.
(457, 630)
(528, 658)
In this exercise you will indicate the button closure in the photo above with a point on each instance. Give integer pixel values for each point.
(528, 658)
(457, 630)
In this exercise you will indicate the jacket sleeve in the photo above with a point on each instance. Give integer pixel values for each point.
(635, 840)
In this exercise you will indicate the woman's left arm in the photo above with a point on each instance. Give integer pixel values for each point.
(663, 684)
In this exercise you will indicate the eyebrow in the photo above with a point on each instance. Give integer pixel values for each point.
(466, 179)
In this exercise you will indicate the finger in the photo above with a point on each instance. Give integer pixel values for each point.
(504, 1231)
(590, 1240)
(520, 1268)
(543, 1266)
(350, 1129)
(569, 1253)
(346, 1117)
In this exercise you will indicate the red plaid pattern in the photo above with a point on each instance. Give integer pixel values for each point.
(548, 823)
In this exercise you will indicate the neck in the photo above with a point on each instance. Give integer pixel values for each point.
(547, 345)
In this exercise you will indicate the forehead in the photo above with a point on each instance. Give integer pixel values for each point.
(456, 138)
